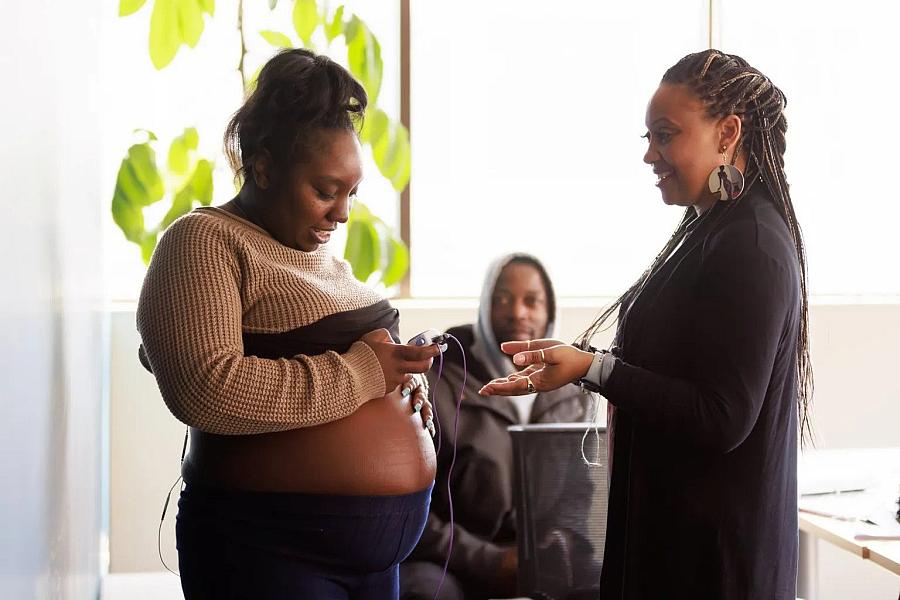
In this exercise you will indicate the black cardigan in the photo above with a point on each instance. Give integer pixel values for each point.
(703, 498)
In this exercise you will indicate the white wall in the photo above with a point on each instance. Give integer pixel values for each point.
(52, 348)
(857, 404)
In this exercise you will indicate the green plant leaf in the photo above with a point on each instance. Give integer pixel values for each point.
(178, 157)
(165, 33)
(363, 250)
(202, 182)
(401, 179)
(364, 57)
(127, 215)
(375, 125)
(351, 28)
(129, 7)
(199, 187)
(335, 27)
(277, 39)
(190, 21)
(380, 148)
(397, 263)
(389, 153)
(150, 135)
(130, 187)
(398, 163)
(306, 19)
(191, 137)
(142, 160)
(361, 211)
(182, 204)
(180, 151)
(394, 257)
(176, 22)
(139, 183)
(251, 83)
(148, 244)
(389, 142)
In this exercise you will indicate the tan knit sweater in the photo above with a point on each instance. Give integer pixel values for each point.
(214, 275)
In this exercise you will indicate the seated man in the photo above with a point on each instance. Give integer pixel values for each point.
(517, 303)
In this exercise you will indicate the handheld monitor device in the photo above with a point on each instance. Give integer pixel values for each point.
(428, 337)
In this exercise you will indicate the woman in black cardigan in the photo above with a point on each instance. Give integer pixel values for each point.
(709, 377)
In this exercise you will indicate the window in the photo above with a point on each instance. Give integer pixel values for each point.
(836, 62)
(526, 125)
(526, 117)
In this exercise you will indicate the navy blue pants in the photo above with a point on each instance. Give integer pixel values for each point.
(275, 546)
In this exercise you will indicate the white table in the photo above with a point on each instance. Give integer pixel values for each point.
(875, 470)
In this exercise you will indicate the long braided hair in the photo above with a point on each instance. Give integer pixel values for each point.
(728, 85)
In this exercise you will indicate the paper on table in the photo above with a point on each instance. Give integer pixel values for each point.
(847, 506)
(885, 526)
(870, 510)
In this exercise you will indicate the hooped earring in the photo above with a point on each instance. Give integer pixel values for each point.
(726, 180)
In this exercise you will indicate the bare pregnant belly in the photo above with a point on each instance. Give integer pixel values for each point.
(381, 449)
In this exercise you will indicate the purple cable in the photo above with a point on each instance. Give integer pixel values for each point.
(434, 410)
(462, 391)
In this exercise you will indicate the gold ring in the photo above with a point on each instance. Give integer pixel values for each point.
(531, 388)
(543, 362)
(528, 347)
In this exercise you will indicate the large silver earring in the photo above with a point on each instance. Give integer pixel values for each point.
(726, 180)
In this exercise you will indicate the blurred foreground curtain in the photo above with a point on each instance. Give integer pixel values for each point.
(51, 324)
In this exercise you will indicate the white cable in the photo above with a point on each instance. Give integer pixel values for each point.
(594, 415)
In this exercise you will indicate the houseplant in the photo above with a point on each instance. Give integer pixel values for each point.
(184, 179)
